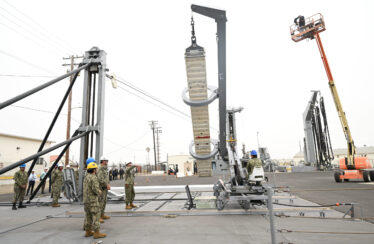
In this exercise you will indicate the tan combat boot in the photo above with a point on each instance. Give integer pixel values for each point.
(97, 234)
(132, 205)
(104, 217)
(89, 233)
(128, 206)
(101, 220)
(55, 205)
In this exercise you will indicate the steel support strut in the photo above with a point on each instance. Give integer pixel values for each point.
(41, 87)
(54, 120)
(220, 17)
(14, 165)
(33, 194)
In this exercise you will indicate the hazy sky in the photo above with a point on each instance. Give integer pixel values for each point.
(267, 73)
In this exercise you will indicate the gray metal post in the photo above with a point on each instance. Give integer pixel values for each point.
(271, 214)
(98, 67)
(100, 106)
(84, 141)
(220, 18)
(221, 34)
(353, 210)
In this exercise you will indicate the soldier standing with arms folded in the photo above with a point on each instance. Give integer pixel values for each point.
(91, 193)
(103, 178)
(57, 182)
(20, 183)
(129, 185)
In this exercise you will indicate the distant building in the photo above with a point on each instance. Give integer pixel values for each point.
(184, 162)
(340, 153)
(14, 148)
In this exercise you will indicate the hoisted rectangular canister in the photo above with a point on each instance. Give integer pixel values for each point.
(197, 89)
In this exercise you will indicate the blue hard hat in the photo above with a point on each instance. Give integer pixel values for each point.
(90, 160)
(22, 166)
(253, 153)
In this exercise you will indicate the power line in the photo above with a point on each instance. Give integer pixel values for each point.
(42, 111)
(57, 39)
(28, 38)
(154, 98)
(27, 76)
(117, 144)
(132, 86)
(133, 142)
(25, 62)
(44, 39)
(153, 103)
(75, 120)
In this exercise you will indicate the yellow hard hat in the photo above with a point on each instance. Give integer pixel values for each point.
(92, 166)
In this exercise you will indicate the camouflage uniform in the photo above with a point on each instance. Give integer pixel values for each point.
(129, 184)
(76, 176)
(57, 182)
(91, 193)
(252, 163)
(103, 178)
(20, 179)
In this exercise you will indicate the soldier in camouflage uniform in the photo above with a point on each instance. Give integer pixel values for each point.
(253, 162)
(20, 183)
(129, 185)
(91, 193)
(57, 182)
(103, 178)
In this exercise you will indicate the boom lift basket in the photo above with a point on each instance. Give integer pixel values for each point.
(307, 28)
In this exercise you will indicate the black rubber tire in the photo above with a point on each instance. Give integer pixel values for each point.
(337, 177)
(366, 176)
(246, 205)
(346, 180)
(219, 205)
(371, 175)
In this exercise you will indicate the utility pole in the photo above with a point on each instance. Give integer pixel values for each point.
(72, 64)
(153, 124)
(158, 131)
(148, 149)
(258, 141)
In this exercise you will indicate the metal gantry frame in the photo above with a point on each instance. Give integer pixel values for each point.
(220, 17)
(89, 118)
(94, 65)
(238, 188)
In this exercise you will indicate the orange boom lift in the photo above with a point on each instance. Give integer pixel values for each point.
(350, 167)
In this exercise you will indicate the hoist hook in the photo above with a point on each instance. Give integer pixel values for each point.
(193, 37)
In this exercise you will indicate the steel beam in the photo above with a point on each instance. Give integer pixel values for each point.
(54, 120)
(14, 165)
(41, 87)
(33, 194)
(220, 17)
(100, 106)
